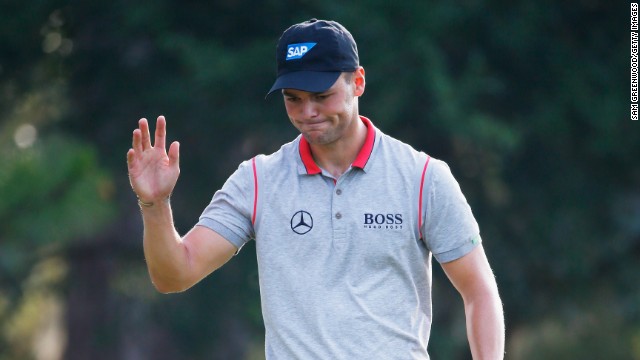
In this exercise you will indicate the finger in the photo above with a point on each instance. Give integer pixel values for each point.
(136, 143)
(130, 155)
(174, 154)
(161, 132)
(146, 137)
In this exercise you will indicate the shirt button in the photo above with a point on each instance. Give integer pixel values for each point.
(338, 216)
(339, 192)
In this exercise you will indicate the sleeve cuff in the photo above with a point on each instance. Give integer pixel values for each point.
(460, 251)
(224, 231)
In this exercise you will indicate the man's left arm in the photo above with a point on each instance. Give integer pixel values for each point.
(471, 275)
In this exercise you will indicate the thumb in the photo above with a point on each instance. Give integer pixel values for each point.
(174, 154)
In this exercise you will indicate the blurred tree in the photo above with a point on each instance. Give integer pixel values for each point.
(54, 199)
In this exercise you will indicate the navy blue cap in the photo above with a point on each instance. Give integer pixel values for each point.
(311, 56)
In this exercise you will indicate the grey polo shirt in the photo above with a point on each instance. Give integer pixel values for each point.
(345, 264)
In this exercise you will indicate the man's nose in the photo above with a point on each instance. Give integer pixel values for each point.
(309, 109)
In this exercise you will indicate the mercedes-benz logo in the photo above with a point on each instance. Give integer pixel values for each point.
(301, 222)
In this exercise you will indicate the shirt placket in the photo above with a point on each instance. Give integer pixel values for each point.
(339, 211)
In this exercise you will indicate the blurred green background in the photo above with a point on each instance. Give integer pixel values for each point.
(528, 101)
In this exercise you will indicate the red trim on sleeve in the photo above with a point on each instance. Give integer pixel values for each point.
(255, 191)
(424, 171)
(367, 148)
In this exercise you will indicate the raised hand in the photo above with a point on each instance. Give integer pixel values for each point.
(153, 172)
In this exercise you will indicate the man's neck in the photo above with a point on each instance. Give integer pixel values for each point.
(337, 157)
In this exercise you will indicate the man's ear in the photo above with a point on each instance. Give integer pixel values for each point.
(358, 79)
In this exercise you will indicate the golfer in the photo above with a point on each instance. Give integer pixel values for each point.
(346, 221)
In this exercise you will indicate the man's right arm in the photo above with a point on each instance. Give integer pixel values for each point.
(174, 263)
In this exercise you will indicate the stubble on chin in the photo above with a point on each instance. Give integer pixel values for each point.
(318, 139)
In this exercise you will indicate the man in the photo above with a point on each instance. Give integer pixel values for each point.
(345, 220)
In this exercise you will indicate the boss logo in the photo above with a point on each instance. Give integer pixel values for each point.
(382, 221)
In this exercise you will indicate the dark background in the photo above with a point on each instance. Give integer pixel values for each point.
(528, 102)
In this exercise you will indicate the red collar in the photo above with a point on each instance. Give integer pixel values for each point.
(360, 161)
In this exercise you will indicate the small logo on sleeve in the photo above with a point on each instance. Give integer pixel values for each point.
(301, 222)
(297, 51)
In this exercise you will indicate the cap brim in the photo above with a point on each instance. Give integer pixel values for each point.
(311, 81)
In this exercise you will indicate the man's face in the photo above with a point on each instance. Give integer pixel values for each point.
(326, 117)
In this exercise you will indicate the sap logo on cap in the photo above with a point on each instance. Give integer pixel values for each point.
(296, 51)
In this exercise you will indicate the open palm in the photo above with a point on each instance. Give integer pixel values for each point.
(153, 172)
